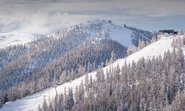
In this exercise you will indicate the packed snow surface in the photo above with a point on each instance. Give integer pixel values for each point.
(118, 33)
(32, 102)
(121, 34)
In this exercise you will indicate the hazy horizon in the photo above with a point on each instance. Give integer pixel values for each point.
(46, 16)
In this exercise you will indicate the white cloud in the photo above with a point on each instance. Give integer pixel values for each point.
(49, 15)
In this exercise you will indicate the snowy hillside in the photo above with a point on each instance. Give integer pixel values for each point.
(96, 30)
(32, 102)
(9, 39)
(69, 50)
(156, 49)
(114, 32)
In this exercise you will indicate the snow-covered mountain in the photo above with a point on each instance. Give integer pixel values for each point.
(101, 29)
(32, 102)
(95, 30)
(36, 61)
(98, 38)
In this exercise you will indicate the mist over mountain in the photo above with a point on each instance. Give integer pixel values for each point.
(33, 64)
(92, 55)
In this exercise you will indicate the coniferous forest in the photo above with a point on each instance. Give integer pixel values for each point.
(154, 85)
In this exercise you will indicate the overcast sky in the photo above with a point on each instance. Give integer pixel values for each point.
(45, 16)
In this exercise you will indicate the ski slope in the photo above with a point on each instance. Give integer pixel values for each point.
(32, 102)
(125, 35)
(120, 34)
(117, 33)
(153, 50)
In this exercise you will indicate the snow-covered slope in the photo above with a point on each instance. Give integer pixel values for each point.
(9, 39)
(156, 49)
(98, 30)
(32, 102)
(114, 32)
(121, 34)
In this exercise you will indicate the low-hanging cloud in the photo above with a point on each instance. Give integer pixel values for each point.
(45, 16)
